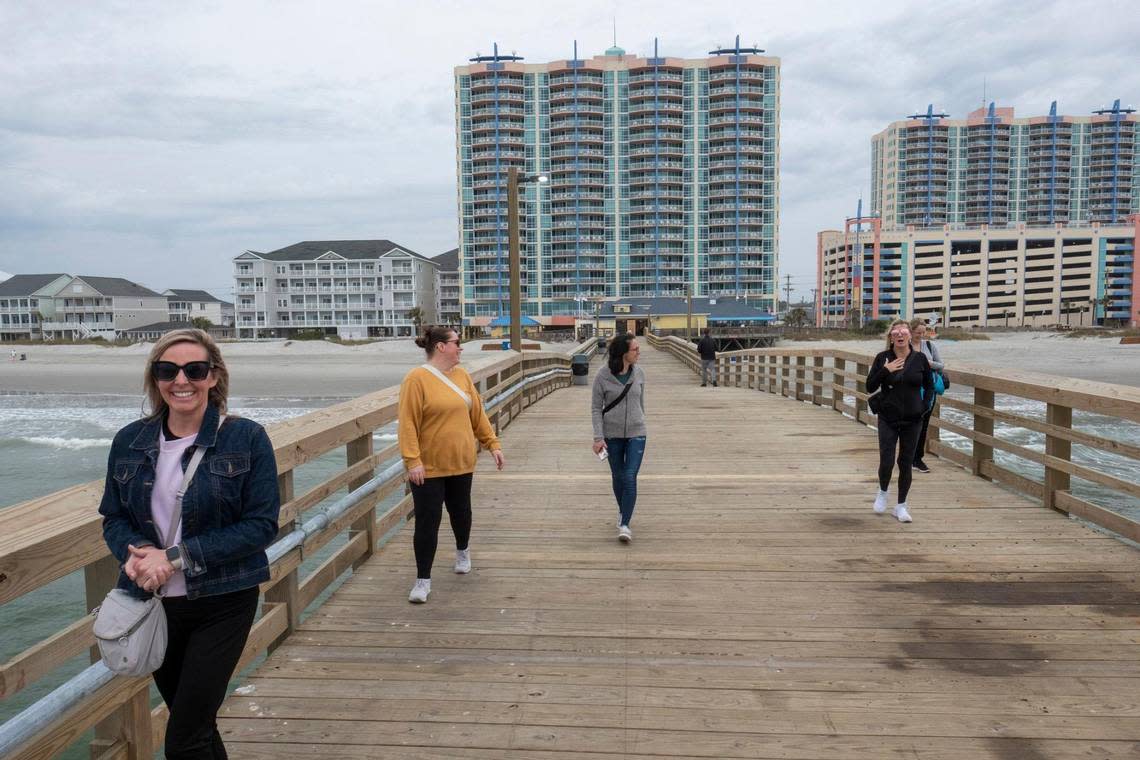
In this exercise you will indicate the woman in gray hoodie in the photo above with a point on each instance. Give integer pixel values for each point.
(618, 412)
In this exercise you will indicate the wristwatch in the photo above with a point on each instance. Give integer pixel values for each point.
(174, 557)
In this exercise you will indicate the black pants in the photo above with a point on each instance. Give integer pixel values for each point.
(205, 639)
(920, 447)
(455, 492)
(903, 436)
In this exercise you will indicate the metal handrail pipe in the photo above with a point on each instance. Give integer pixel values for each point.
(41, 714)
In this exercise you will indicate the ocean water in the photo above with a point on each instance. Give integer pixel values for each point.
(53, 441)
(1096, 459)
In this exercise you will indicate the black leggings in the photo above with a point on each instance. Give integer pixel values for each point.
(455, 492)
(204, 643)
(904, 436)
(920, 446)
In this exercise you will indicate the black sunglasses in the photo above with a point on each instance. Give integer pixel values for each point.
(167, 371)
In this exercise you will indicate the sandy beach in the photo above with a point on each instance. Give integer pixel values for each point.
(276, 369)
(1100, 359)
(317, 369)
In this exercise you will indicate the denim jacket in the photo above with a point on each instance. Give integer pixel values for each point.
(229, 512)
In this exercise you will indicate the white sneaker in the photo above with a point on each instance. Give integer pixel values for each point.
(901, 513)
(420, 591)
(625, 535)
(462, 561)
(880, 503)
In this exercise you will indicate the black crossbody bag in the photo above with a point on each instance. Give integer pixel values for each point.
(617, 400)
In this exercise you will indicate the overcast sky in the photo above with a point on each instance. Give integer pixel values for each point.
(156, 141)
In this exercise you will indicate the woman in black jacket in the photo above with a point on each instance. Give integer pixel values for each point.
(904, 378)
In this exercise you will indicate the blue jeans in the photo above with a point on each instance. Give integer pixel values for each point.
(625, 460)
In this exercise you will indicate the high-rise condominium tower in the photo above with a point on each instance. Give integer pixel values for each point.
(663, 175)
(991, 168)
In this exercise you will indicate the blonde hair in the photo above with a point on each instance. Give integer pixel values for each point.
(895, 324)
(219, 394)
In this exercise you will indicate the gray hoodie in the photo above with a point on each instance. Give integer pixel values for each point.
(627, 419)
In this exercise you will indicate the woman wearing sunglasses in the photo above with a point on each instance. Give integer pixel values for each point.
(209, 570)
(441, 416)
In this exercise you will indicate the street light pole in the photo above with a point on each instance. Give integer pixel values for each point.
(515, 264)
(513, 182)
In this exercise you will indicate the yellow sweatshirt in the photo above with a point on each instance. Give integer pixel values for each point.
(436, 429)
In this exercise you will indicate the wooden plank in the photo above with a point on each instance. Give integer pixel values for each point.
(331, 569)
(1105, 518)
(25, 668)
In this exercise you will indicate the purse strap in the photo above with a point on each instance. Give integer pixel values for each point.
(621, 395)
(191, 468)
(447, 381)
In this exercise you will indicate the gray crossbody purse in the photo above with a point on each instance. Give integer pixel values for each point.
(131, 633)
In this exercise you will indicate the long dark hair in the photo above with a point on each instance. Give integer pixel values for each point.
(618, 348)
(434, 334)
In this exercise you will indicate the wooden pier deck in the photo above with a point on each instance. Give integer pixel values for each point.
(762, 611)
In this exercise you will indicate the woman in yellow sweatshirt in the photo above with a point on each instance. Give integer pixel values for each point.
(441, 415)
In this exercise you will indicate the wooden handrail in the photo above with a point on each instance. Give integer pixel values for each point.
(786, 372)
(50, 537)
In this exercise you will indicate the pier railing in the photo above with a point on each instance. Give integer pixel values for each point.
(49, 538)
(1011, 427)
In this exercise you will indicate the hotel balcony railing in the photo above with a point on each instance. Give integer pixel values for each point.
(576, 121)
(745, 73)
(744, 119)
(503, 96)
(659, 76)
(732, 206)
(731, 89)
(663, 89)
(577, 151)
(723, 135)
(655, 194)
(662, 119)
(749, 104)
(576, 108)
(498, 108)
(586, 223)
(580, 210)
(662, 149)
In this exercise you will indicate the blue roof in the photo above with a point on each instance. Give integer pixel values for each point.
(506, 322)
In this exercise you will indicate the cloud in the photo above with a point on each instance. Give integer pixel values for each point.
(135, 137)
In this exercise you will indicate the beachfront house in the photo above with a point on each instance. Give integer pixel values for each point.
(25, 302)
(99, 307)
(447, 304)
(352, 289)
(187, 305)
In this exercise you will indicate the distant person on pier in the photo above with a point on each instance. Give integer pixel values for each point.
(919, 342)
(208, 572)
(617, 410)
(906, 382)
(706, 347)
(441, 416)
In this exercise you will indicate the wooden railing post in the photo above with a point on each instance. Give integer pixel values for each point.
(817, 377)
(982, 452)
(285, 590)
(838, 382)
(98, 578)
(356, 451)
(801, 362)
(772, 372)
(1057, 480)
(861, 370)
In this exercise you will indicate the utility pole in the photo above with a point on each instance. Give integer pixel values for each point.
(788, 292)
(689, 313)
(817, 314)
(515, 263)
